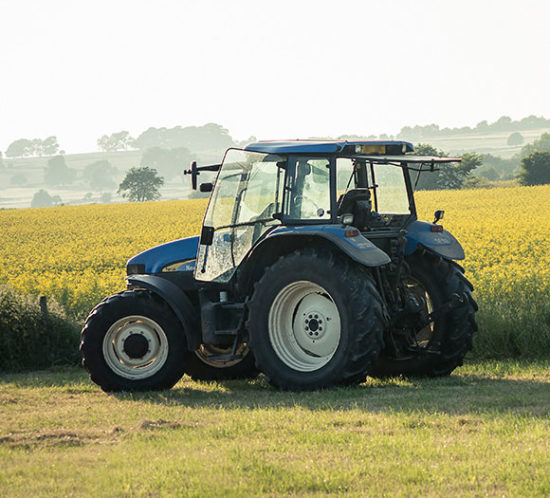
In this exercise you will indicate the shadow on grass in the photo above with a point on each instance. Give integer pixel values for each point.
(474, 393)
(477, 389)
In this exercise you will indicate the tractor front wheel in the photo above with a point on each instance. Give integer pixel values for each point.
(133, 341)
(315, 321)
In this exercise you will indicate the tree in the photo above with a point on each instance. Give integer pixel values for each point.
(535, 169)
(20, 148)
(58, 173)
(2, 165)
(447, 176)
(490, 173)
(43, 199)
(515, 138)
(35, 147)
(542, 144)
(100, 175)
(49, 146)
(211, 137)
(141, 184)
(168, 162)
(116, 141)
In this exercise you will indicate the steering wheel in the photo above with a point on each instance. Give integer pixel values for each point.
(303, 201)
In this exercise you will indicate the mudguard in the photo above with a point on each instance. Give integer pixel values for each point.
(356, 247)
(177, 300)
(155, 259)
(442, 243)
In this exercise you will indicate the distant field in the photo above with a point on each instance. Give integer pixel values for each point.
(19, 196)
(491, 143)
(484, 431)
(78, 254)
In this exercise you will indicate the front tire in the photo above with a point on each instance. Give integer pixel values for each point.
(439, 348)
(133, 341)
(315, 321)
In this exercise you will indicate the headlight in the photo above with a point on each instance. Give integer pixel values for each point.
(135, 269)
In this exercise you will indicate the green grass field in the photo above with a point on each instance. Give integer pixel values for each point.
(483, 431)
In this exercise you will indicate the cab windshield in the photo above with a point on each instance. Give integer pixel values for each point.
(247, 193)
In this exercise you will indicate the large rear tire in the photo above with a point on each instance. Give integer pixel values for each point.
(202, 364)
(439, 348)
(133, 341)
(315, 321)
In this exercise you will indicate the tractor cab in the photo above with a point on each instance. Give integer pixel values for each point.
(306, 187)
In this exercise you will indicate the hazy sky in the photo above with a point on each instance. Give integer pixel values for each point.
(279, 69)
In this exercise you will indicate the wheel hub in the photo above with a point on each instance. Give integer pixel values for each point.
(315, 324)
(135, 346)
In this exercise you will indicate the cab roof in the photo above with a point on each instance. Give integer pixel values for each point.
(330, 146)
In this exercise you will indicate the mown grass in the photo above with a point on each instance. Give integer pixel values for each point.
(483, 431)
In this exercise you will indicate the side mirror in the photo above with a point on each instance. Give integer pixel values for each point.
(438, 215)
(206, 187)
(194, 173)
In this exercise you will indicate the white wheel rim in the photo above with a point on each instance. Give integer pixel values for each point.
(304, 326)
(132, 366)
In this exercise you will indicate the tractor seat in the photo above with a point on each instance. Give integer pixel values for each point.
(357, 203)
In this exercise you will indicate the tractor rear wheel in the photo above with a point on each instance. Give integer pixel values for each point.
(133, 341)
(203, 365)
(315, 321)
(438, 348)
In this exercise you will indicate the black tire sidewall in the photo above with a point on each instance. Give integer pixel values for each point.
(452, 330)
(334, 283)
(139, 303)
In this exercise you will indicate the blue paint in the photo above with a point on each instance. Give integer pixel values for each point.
(443, 243)
(156, 258)
(315, 147)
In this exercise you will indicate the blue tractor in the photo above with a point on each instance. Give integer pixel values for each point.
(311, 267)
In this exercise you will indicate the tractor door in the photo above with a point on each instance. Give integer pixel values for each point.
(247, 194)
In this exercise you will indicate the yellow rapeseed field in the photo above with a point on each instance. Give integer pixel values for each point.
(78, 254)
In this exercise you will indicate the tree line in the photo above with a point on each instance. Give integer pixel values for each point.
(504, 123)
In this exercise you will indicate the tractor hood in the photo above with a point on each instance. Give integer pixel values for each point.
(154, 260)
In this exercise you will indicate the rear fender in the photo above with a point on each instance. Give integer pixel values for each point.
(285, 240)
(442, 243)
(357, 247)
(179, 302)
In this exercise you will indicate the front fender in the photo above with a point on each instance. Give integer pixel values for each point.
(442, 243)
(356, 247)
(177, 300)
(155, 259)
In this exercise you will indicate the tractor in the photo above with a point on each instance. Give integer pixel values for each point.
(311, 268)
